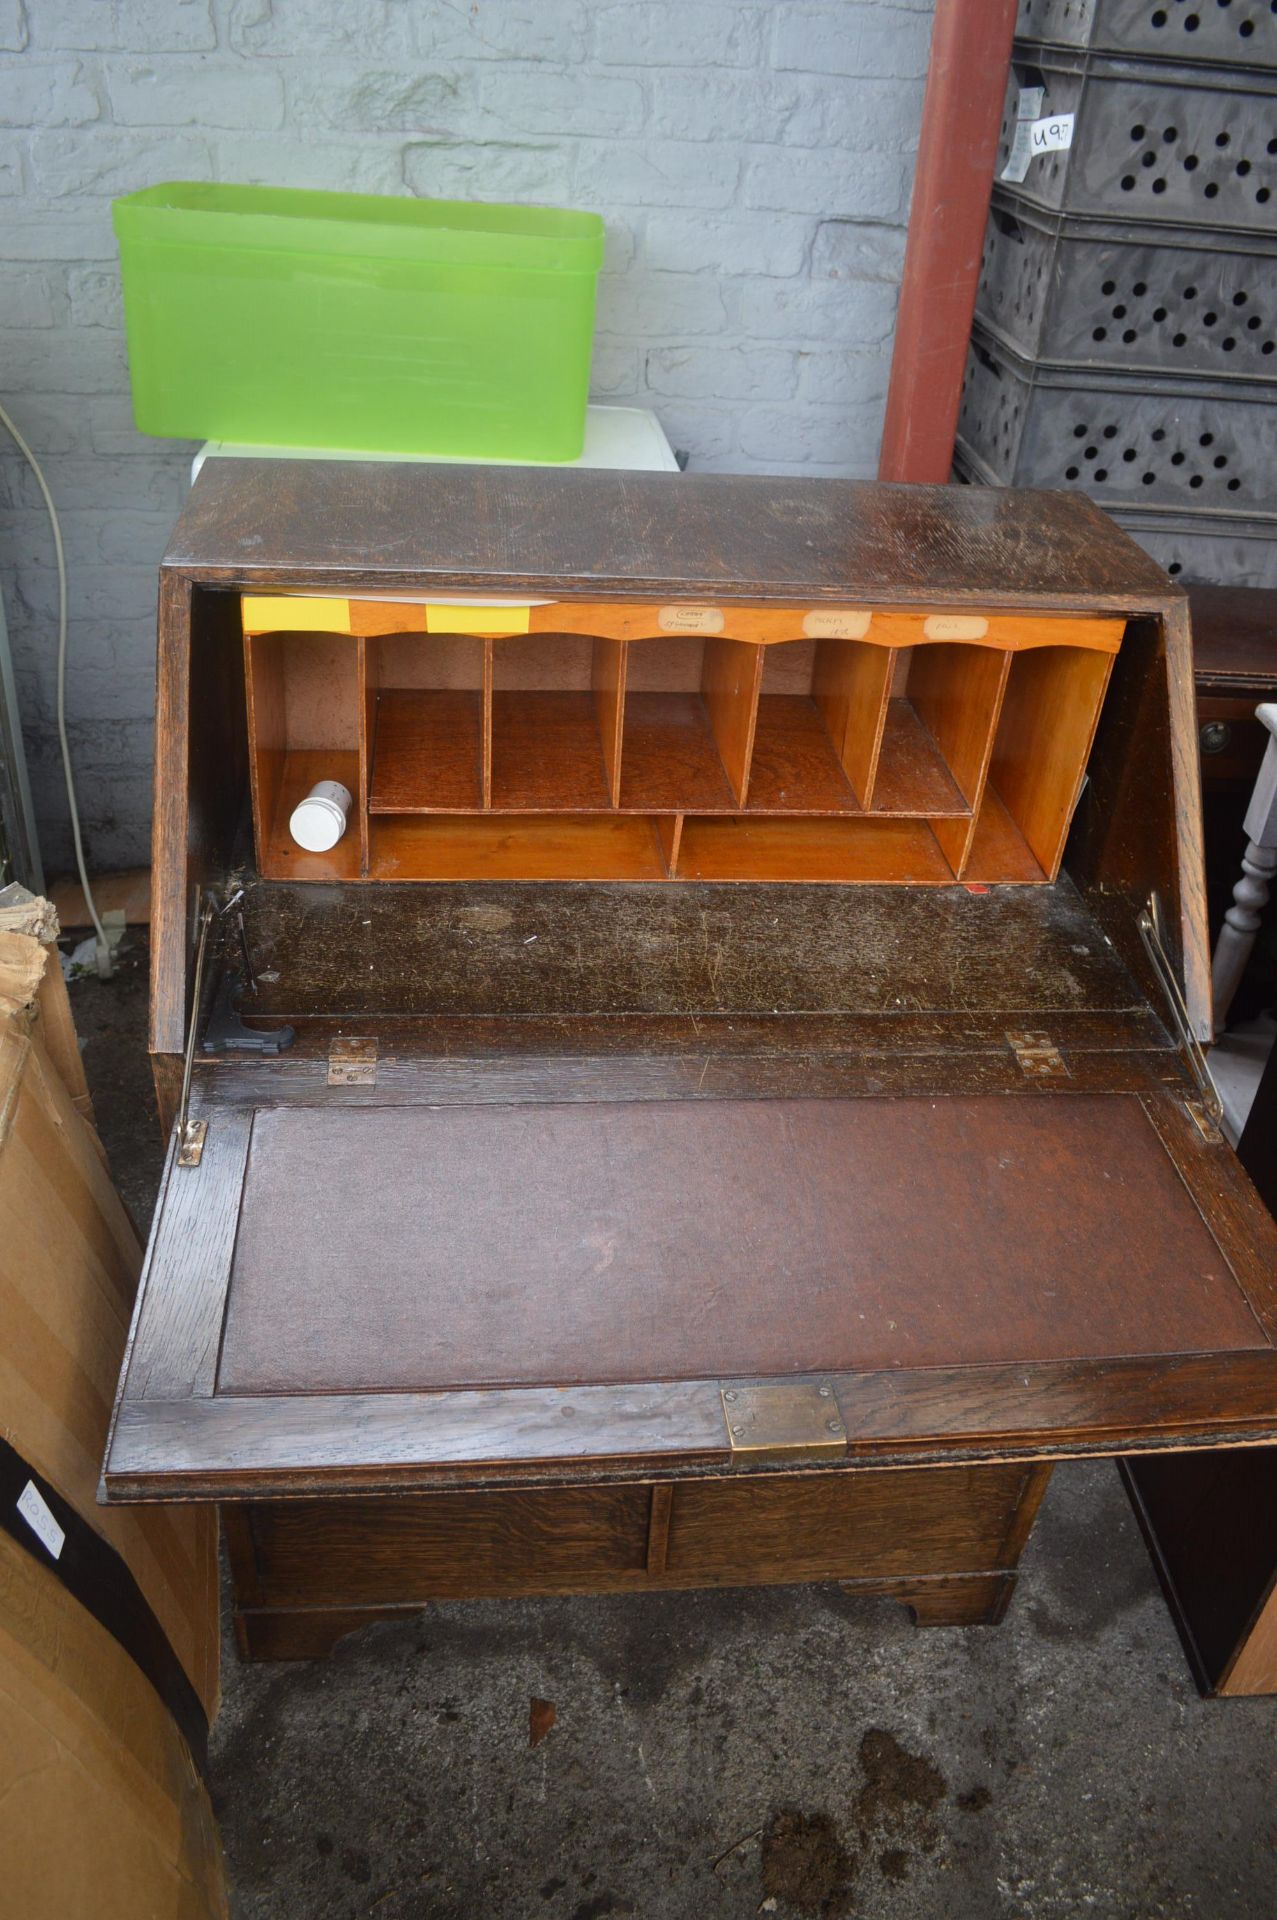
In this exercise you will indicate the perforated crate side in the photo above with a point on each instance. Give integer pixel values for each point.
(1173, 445)
(1056, 23)
(991, 415)
(1207, 556)
(1181, 146)
(1106, 299)
(1018, 293)
(1241, 32)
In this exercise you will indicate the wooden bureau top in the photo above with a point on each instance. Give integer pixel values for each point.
(309, 523)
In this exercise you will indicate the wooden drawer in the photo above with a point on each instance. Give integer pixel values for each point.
(690, 1533)
(448, 1545)
(844, 1526)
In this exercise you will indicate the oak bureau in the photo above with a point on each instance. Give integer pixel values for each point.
(729, 1107)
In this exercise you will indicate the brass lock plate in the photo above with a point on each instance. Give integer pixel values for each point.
(783, 1420)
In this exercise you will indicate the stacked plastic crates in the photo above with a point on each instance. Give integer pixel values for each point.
(1125, 340)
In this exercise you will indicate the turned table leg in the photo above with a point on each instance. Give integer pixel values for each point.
(1250, 895)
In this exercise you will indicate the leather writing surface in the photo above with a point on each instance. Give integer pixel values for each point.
(417, 1248)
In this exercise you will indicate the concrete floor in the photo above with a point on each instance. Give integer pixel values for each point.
(791, 1751)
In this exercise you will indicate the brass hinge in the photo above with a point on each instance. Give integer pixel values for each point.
(1038, 1055)
(190, 1143)
(352, 1062)
(783, 1420)
(1203, 1121)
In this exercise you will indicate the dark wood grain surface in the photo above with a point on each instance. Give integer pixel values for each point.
(1138, 827)
(318, 522)
(794, 1527)
(182, 1293)
(580, 950)
(293, 1444)
(945, 1542)
(885, 1067)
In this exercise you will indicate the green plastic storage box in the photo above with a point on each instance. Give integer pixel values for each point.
(278, 317)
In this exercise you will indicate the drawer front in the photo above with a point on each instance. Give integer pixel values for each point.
(448, 1545)
(844, 1525)
(772, 1528)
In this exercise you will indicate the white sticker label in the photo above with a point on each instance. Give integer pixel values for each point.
(34, 1509)
(835, 623)
(954, 626)
(1035, 135)
(690, 620)
(1052, 135)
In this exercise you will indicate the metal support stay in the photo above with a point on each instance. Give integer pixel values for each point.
(191, 1133)
(1149, 922)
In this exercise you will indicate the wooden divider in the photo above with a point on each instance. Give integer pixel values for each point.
(367, 670)
(732, 677)
(957, 693)
(851, 687)
(744, 743)
(302, 701)
(1049, 715)
(608, 673)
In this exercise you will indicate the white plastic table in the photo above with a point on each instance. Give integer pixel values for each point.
(629, 438)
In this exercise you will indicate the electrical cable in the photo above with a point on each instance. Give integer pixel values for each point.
(103, 944)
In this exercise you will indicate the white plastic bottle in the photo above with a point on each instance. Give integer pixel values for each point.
(319, 821)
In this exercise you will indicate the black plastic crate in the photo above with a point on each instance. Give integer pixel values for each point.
(1209, 549)
(1131, 441)
(1240, 554)
(1181, 146)
(1238, 32)
(1087, 294)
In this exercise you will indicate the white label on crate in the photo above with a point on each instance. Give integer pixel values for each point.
(835, 623)
(1021, 153)
(1033, 136)
(954, 626)
(1052, 135)
(34, 1509)
(690, 620)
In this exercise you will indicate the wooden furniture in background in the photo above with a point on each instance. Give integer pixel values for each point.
(1234, 669)
(1243, 917)
(597, 1234)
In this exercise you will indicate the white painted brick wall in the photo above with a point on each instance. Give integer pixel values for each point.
(752, 159)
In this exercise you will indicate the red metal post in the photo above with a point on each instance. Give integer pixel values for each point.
(957, 146)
